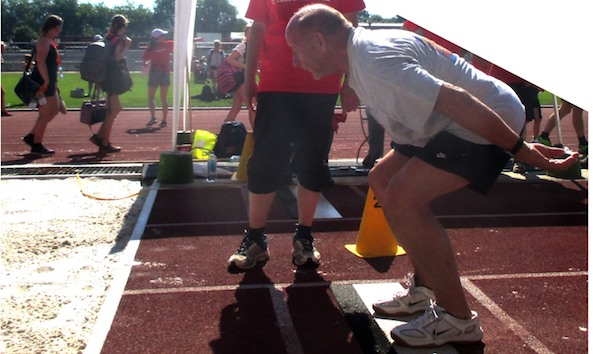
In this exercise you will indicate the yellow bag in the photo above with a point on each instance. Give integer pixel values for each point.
(203, 144)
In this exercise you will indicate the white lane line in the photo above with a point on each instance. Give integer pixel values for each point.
(116, 289)
(499, 313)
(292, 344)
(197, 289)
(459, 216)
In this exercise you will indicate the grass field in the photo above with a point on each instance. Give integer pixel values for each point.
(135, 98)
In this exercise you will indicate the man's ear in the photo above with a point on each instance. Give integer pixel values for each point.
(319, 41)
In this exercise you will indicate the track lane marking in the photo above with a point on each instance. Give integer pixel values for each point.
(503, 317)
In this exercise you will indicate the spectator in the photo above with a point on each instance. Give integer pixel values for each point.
(46, 73)
(91, 86)
(237, 60)
(293, 110)
(121, 43)
(157, 55)
(453, 127)
(577, 123)
(215, 57)
(5, 113)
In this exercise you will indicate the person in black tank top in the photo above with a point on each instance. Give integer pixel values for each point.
(46, 73)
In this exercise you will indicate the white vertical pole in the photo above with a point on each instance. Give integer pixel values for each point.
(557, 120)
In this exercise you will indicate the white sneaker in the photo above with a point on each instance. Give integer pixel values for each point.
(413, 299)
(437, 327)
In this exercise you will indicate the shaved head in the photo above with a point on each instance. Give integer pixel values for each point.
(317, 35)
(318, 18)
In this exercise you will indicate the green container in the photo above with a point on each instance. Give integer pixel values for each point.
(573, 172)
(175, 167)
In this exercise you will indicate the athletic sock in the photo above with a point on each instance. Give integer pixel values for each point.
(258, 236)
(303, 232)
(545, 135)
(583, 140)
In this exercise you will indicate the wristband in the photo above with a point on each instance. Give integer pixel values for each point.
(517, 147)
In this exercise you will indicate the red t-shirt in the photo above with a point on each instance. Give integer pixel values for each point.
(277, 74)
(159, 56)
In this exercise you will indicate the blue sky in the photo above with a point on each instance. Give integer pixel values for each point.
(385, 8)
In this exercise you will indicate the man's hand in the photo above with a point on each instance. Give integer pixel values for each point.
(547, 158)
(350, 100)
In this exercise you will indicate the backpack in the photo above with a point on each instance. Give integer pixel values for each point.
(117, 78)
(207, 94)
(94, 64)
(230, 139)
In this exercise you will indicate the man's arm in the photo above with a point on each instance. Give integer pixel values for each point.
(469, 112)
(256, 37)
(350, 100)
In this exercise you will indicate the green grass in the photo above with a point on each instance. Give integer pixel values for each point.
(137, 98)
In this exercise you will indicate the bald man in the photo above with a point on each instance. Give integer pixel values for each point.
(453, 127)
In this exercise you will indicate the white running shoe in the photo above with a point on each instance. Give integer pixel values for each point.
(437, 327)
(413, 299)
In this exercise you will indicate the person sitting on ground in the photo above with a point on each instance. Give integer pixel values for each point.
(453, 126)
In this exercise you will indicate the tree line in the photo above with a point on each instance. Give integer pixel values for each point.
(22, 19)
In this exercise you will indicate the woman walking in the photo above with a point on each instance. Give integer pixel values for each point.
(120, 44)
(46, 73)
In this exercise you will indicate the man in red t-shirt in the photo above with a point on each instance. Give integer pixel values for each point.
(293, 130)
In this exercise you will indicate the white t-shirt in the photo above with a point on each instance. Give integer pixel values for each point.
(216, 57)
(241, 47)
(399, 74)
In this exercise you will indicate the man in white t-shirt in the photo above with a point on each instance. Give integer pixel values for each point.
(215, 58)
(453, 126)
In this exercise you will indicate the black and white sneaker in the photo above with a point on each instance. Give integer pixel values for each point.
(248, 255)
(304, 253)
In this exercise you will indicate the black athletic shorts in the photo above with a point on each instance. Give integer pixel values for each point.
(293, 133)
(479, 164)
(528, 95)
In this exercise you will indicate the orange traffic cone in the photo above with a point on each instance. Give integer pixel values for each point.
(241, 173)
(375, 238)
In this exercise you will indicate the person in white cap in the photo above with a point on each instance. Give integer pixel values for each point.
(157, 55)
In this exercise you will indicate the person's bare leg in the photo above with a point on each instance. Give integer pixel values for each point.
(577, 121)
(259, 209)
(406, 204)
(47, 113)
(306, 204)
(151, 94)
(164, 103)
(114, 108)
(564, 109)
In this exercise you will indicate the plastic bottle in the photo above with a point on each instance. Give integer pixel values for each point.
(41, 99)
(33, 103)
(211, 175)
(61, 72)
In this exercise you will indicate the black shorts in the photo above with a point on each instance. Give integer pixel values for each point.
(528, 95)
(479, 164)
(292, 130)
